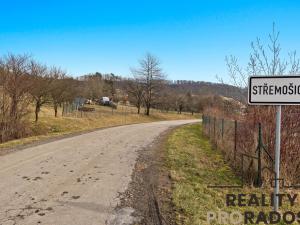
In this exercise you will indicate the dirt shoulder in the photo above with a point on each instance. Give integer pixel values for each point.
(170, 183)
(149, 193)
(168, 176)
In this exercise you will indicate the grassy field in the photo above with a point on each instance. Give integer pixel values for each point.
(193, 165)
(49, 126)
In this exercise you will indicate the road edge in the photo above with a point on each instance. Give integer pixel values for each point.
(149, 193)
(19, 147)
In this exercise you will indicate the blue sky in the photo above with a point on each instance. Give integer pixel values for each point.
(191, 38)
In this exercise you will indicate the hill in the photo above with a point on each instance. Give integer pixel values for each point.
(208, 88)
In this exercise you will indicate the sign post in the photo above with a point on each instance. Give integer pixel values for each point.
(277, 155)
(275, 90)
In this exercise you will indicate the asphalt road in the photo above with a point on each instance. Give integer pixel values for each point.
(76, 180)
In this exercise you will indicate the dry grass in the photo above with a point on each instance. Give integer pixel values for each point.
(49, 126)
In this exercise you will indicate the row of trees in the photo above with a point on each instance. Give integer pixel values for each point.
(27, 85)
(24, 82)
(150, 89)
(97, 85)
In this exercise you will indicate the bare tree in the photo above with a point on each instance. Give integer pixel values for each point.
(40, 90)
(94, 85)
(166, 100)
(109, 87)
(59, 87)
(73, 89)
(190, 102)
(180, 103)
(267, 60)
(135, 89)
(14, 95)
(151, 76)
(15, 78)
(263, 61)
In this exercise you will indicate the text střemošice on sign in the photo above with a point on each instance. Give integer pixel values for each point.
(274, 90)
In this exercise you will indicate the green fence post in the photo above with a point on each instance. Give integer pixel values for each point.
(203, 124)
(235, 139)
(209, 126)
(215, 139)
(214, 129)
(259, 148)
(222, 128)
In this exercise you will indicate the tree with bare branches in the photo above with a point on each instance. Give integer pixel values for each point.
(135, 89)
(93, 86)
(14, 99)
(41, 84)
(59, 87)
(151, 76)
(263, 61)
(268, 60)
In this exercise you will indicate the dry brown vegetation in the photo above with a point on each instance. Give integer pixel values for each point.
(263, 61)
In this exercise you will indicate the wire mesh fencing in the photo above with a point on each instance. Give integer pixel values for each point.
(240, 144)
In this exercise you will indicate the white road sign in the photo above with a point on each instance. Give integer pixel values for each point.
(274, 90)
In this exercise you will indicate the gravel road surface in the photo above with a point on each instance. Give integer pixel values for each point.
(76, 180)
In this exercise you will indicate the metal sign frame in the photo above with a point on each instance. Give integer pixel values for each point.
(278, 105)
(250, 102)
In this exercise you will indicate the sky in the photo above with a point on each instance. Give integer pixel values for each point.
(191, 38)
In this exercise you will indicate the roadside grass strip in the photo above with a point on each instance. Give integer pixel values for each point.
(193, 165)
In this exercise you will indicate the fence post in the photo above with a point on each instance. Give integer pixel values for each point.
(214, 140)
(259, 148)
(203, 125)
(63, 110)
(222, 128)
(209, 126)
(235, 139)
(214, 128)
